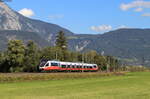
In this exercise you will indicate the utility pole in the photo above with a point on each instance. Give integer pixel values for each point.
(108, 66)
(83, 58)
(82, 61)
(56, 55)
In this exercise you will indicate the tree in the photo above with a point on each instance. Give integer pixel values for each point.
(15, 55)
(61, 41)
(100, 61)
(112, 63)
(32, 57)
(4, 64)
(52, 53)
(89, 56)
(72, 56)
(1, 62)
(1, 58)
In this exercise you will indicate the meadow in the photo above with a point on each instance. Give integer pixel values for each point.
(132, 85)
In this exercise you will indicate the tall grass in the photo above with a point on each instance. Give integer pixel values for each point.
(19, 77)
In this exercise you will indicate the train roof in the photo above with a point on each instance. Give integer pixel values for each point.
(72, 63)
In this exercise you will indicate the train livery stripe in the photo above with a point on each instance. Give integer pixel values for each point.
(68, 69)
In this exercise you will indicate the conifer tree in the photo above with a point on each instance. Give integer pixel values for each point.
(61, 40)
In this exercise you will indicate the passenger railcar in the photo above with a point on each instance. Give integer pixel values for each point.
(66, 66)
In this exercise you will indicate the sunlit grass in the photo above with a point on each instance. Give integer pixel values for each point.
(130, 86)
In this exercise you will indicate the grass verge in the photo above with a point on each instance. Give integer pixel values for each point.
(19, 77)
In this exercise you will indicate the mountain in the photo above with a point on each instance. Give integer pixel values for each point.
(130, 45)
(7, 35)
(12, 20)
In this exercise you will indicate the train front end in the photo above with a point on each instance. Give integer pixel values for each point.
(49, 66)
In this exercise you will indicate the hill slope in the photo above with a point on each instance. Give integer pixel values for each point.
(130, 44)
(7, 35)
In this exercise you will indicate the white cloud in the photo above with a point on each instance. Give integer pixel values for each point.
(26, 12)
(101, 28)
(138, 10)
(51, 17)
(135, 4)
(146, 14)
(123, 27)
(105, 28)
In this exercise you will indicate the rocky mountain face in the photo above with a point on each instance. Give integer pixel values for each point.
(12, 20)
(8, 18)
(130, 45)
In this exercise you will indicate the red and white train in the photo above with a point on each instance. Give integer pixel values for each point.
(66, 66)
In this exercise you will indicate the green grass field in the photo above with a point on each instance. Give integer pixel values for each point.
(129, 86)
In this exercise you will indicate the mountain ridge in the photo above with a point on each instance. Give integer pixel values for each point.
(12, 20)
(131, 45)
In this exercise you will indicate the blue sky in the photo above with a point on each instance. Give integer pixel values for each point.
(88, 16)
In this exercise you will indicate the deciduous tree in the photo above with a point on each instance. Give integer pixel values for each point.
(15, 55)
(32, 57)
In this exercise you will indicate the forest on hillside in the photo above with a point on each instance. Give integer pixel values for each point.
(21, 57)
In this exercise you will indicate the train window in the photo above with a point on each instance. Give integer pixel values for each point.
(80, 66)
(63, 66)
(73, 66)
(94, 66)
(84, 66)
(42, 64)
(68, 66)
(54, 64)
(91, 67)
(47, 65)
